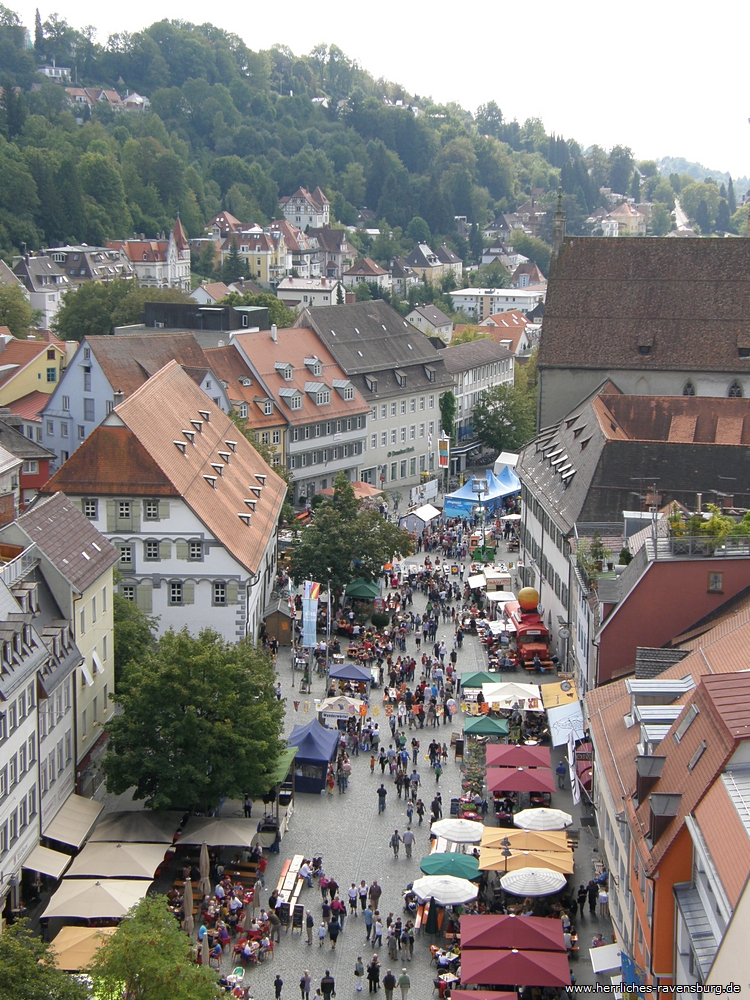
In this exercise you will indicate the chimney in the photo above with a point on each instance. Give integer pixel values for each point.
(119, 396)
(274, 337)
(558, 227)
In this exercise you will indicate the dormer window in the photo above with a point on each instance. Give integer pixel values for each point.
(644, 348)
(292, 398)
(285, 370)
(267, 407)
(323, 397)
(735, 390)
(400, 377)
(429, 373)
(371, 383)
(688, 389)
(315, 365)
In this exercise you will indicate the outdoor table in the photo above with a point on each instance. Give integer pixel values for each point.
(337, 657)
(449, 978)
(472, 816)
(531, 743)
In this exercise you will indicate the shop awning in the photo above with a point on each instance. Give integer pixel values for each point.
(284, 763)
(564, 719)
(563, 693)
(605, 957)
(74, 821)
(47, 862)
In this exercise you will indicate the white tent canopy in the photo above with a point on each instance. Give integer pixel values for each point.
(505, 458)
(138, 827)
(532, 882)
(477, 581)
(501, 595)
(89, 899)
(605, 957)
(562, 720)
(103, 860)
(511, 693)
(220, 832)
(446, 890)
(460, 831)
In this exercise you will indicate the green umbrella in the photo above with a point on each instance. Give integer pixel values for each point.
(362, 589)
(476, 678)
(485, 725)
(450, 863)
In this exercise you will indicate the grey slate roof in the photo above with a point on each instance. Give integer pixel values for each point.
(433, 315)
(650, 662)
(17, 443)
(459, 357)
(369, 337)
(689, 299)
(68, 539)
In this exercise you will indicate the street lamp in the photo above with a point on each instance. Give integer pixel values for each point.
(506, 852)
(479, 486)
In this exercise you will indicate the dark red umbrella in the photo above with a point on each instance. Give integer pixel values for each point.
(506, 968)
(483, 994)
(520, 779)
(510, 931)
(508, 755)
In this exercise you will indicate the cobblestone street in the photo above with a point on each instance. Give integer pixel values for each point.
(353, 840)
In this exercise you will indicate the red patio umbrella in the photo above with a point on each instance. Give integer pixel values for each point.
(483, 994)
(510, 931)
(508, 755)
(514, 967)
(520, 779)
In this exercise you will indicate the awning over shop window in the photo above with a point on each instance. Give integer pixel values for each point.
(47, 862)
(74, 821)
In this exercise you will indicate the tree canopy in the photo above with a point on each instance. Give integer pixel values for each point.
(133, 632)
(15, 311)
(504, 417)
(199, 720)
(95, 307)
(148, 958)
(27, 968)
(344, 541)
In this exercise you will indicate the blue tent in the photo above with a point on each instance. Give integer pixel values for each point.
(350, 672)
(460, 503)
(316, 747)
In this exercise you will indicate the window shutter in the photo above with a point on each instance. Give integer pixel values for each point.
(181, 550)
(232, 589)
(165, 550)
(163, 509)
(111, 516)
(143, 597)
(135, 515)
(188, 593)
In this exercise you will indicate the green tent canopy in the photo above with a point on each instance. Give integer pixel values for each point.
(450, 863)
(476, 678)
(360, 588)
(485, 725)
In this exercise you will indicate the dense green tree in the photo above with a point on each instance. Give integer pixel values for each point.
(133, 633)
(476, 243)
(344, 542)
(504, 417)
(148, 958)
(234, 266)
(198, 720)
(661, 219)
(27, 968)
(278, 313)
(722, 223)
(731, 199)
(635, 187)
(447, 404)
(15, 311)
(620, 168)
(363, 293)
(418, 231)
(532, 247)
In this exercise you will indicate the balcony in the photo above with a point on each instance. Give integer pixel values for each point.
(16, 568)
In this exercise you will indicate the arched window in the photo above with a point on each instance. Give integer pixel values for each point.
(688, 389)
(735, 390)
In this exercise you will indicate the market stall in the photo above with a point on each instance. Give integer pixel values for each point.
(337, 712)
(415, 521)
(316, 748)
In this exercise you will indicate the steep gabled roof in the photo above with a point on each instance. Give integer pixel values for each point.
(432, 314)
(19, 353)
(128, 361)
(365, 267)
(690, 298)
(460, 357)
(422, 256)
(192, 450)
(68, 539)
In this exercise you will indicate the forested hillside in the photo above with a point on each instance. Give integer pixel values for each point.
(232, 128)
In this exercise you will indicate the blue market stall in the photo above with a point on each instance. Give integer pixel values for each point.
(316, 748)
(462, 502)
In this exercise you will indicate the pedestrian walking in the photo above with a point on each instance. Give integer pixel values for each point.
(395, 843)
(593, 894)
(352, 894)
(408, 839)
(404, 983)
(309, 924)
(560, 772)
(247, 807)
(420, 810)
(322, 930)
(382, 792)
(359, 971)
(581, 896)
(327, 986)
(277, 985)
(334, 928)
(368, 915)
(362, 891)
(377, 931)
(391, 943)
(389, 984)
(438, 770)
(304, 985)
(409, 812)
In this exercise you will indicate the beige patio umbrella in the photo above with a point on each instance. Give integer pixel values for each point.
(204, 951)
(104, 860)
(525, 840)
(74, 947)
(137, 827)
(222, 832)
(188, 924)
(556, 861)
(83, 898)
(205, 871)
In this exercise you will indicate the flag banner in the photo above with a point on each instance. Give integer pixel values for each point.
(575, 783)
(312, 590)
(444, 450)
(309, 619)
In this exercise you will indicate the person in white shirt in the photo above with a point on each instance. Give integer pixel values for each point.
(305, 872)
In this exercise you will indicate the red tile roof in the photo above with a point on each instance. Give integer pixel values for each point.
(726, 838)
(19, 353)
(129, 360)
(30, 406)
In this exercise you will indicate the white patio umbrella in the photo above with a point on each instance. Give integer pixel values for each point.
(82, 898)
(460, 831)
(188, 924)
(205, 871)
(446, 890)
(532, 882)
(542, 819)
(105, 860)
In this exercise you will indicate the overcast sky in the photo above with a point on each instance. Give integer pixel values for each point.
(664, 78)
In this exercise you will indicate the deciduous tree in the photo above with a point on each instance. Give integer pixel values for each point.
(27, 968)
(199, 720)
(15, 311)
(504, 417)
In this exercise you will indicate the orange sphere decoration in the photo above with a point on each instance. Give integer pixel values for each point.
(528, 599)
